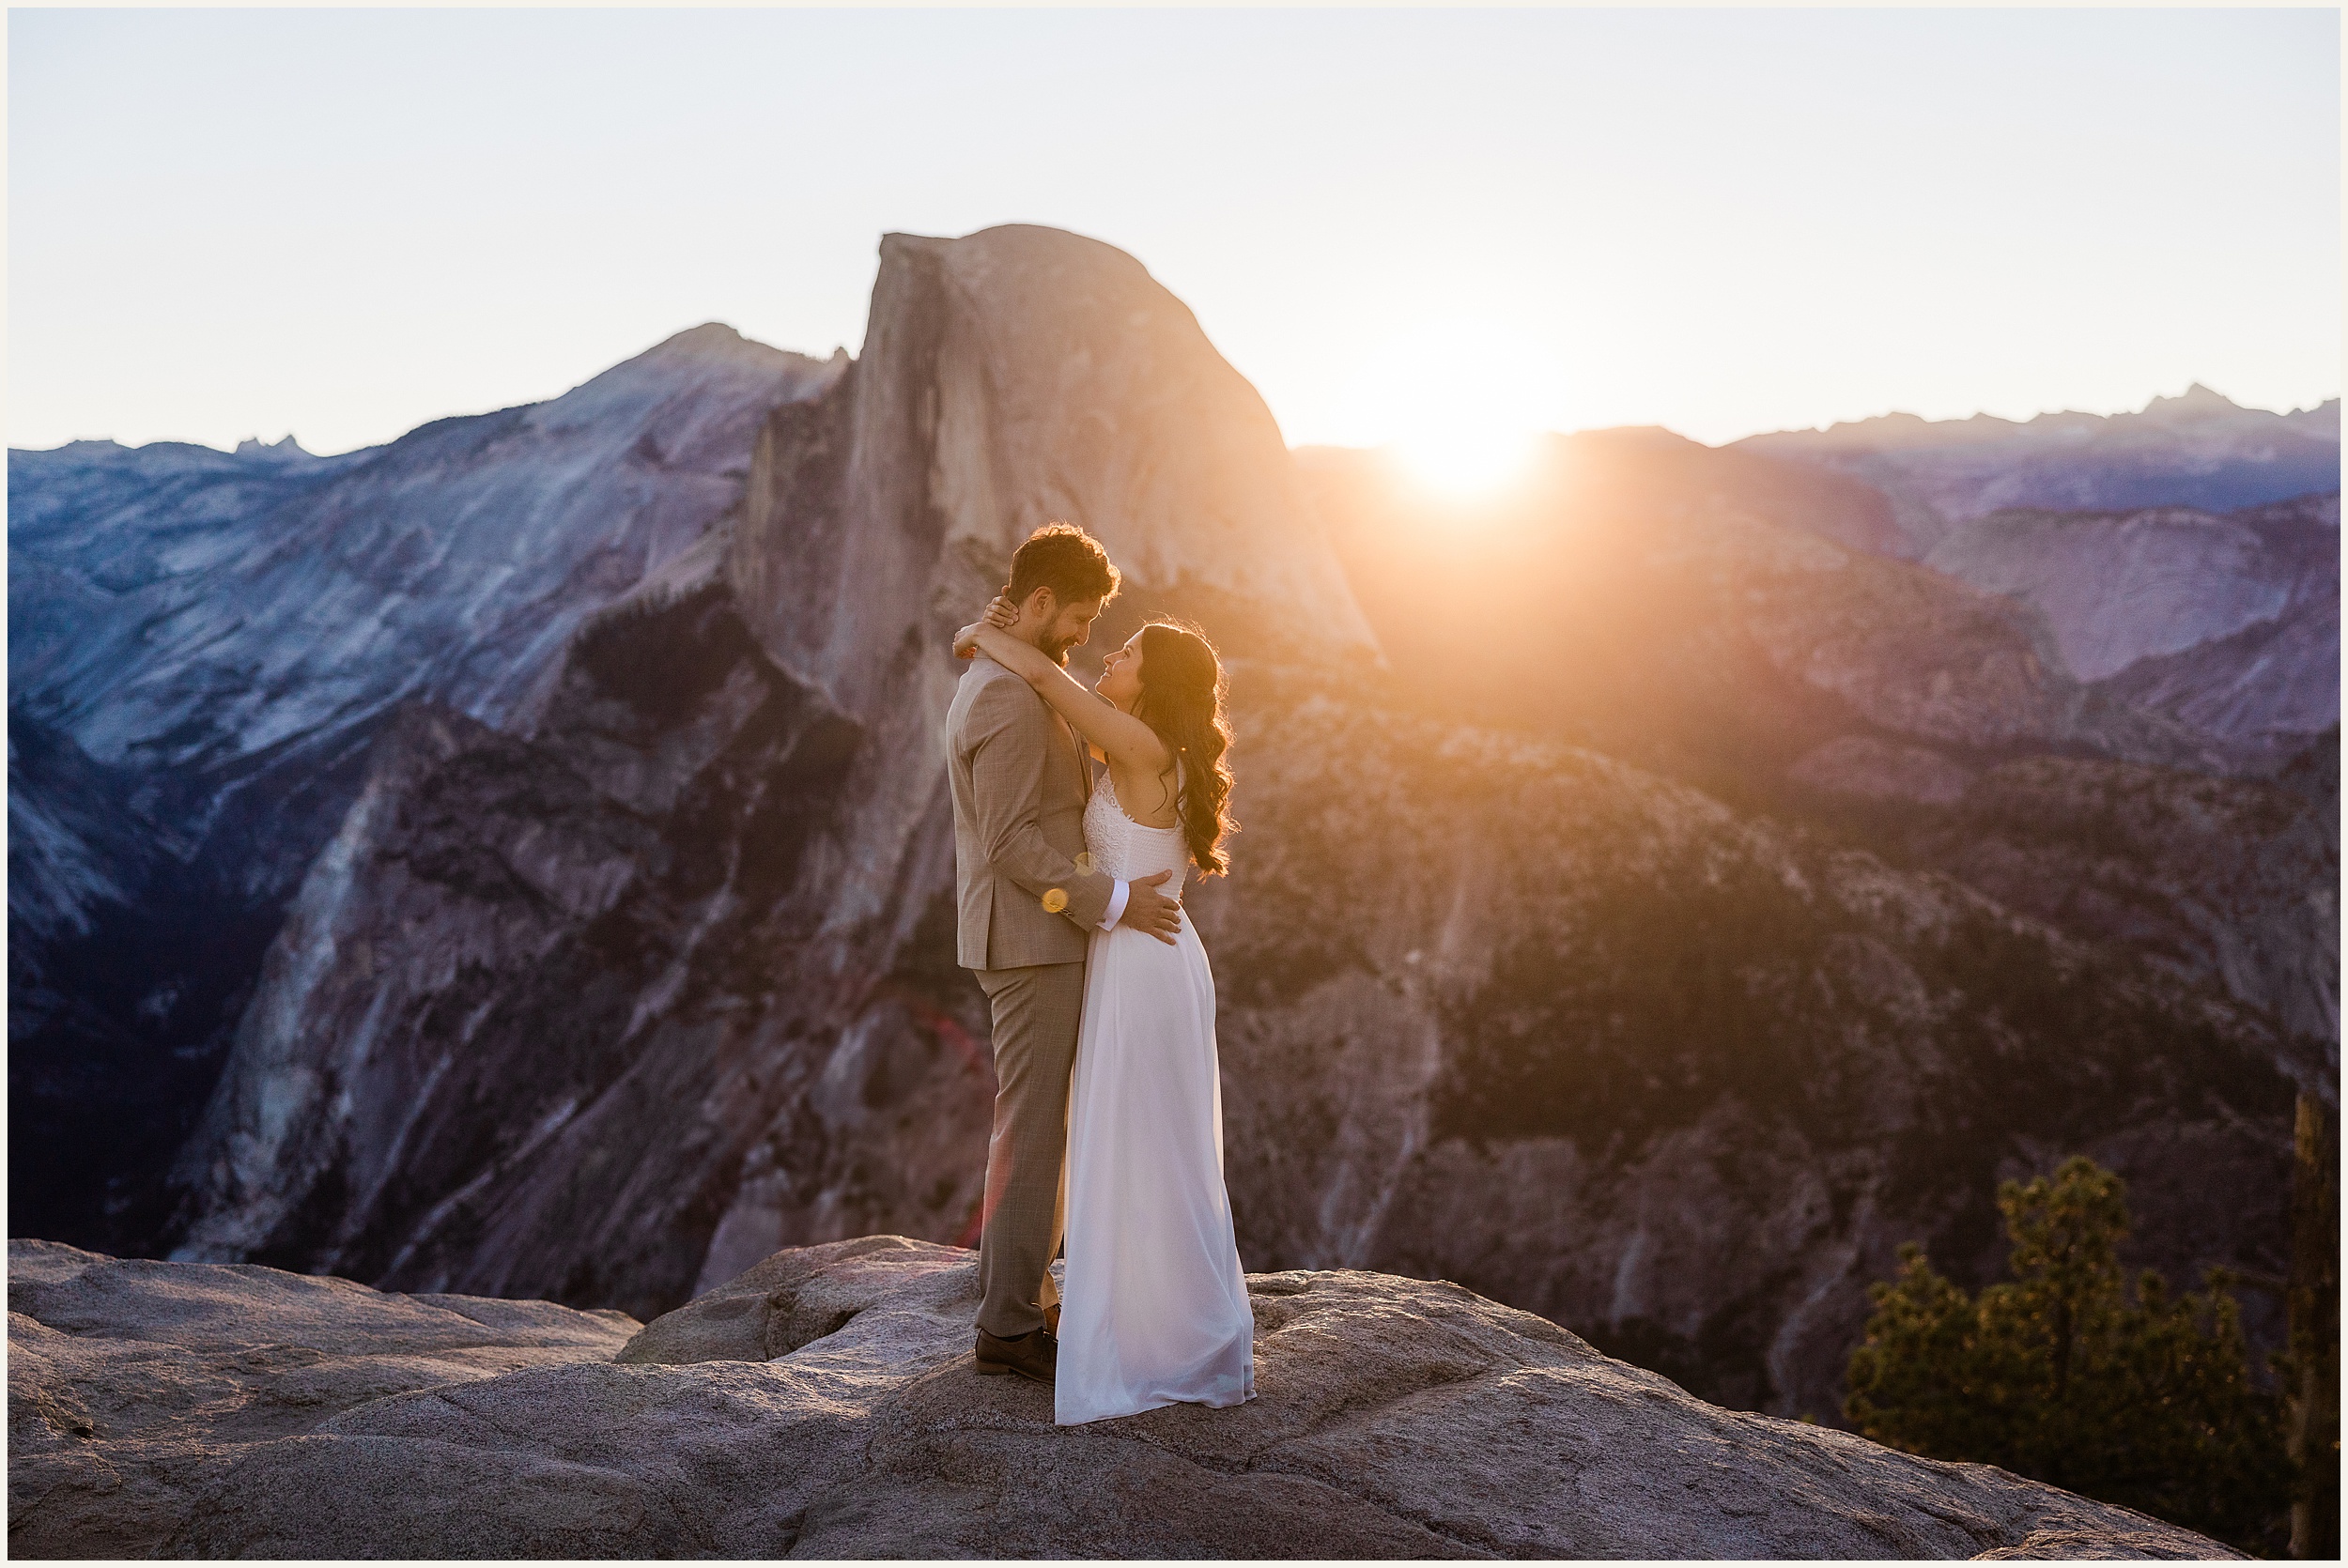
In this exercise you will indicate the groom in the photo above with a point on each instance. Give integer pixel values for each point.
(1028, 899)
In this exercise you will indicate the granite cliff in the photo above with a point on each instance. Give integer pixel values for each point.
(202, 648)
(2229, 624)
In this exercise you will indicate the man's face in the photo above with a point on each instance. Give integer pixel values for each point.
(1068, 625)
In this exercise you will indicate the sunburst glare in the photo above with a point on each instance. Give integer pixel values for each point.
(1469, 461)
(1462, 405)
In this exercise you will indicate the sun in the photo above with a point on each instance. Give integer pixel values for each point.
(1468, 461)
(1459, 404)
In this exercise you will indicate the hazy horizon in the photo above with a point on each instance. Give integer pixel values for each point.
(459, 413)
(342, 224)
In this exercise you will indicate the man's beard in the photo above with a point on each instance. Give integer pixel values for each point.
(1055, 649)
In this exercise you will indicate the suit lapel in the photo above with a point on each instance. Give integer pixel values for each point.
(1076, 753)
(1083, 764)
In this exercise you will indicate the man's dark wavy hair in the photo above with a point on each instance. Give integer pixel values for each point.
(1066, 559)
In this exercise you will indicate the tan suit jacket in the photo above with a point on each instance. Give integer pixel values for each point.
(1020, 785)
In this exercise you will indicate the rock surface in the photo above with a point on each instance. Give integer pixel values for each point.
(2233, 882)
(138, 1389)
(823, 1404)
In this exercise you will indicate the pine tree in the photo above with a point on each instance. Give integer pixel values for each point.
(2065, 1375)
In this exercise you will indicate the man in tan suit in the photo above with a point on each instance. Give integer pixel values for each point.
(1026, 904)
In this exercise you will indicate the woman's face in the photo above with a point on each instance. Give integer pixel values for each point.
(1120, 674)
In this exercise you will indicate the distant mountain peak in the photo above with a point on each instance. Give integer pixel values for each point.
(252, 446)
(709, 335)
(2196, 398)
(716, 341)
(1638, 435)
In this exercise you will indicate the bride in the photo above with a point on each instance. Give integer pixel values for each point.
(1154, 1310)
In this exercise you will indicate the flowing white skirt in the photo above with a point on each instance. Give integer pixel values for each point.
(1153, 1310)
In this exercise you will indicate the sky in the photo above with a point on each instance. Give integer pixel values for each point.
(340, 224)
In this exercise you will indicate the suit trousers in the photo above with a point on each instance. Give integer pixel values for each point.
(1036, 1012)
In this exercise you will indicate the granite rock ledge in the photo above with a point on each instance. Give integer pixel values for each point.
(823, 1404)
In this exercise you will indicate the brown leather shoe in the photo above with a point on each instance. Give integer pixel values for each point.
(1033, 1355)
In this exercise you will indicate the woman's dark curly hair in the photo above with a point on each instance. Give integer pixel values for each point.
(1181, 700)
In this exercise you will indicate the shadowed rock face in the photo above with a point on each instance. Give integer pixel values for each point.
(2230, 882)
(591, 937)
(607, 1011)
(1588, 1042)
(94, 1105)
(824, 1405)
(221, 636)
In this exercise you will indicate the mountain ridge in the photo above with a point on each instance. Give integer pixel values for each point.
(2201, 452)
(226, 633)
(1895, 426)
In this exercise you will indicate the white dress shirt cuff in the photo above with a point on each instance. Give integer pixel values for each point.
(1117, 905)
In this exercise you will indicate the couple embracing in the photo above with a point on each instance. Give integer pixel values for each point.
(1109, 1114)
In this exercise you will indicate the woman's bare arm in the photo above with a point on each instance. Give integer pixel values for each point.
(1123, 737)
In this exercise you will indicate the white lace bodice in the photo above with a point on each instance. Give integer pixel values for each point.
(1121, 847)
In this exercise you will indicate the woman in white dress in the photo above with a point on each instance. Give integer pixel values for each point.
(1154, 1308)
